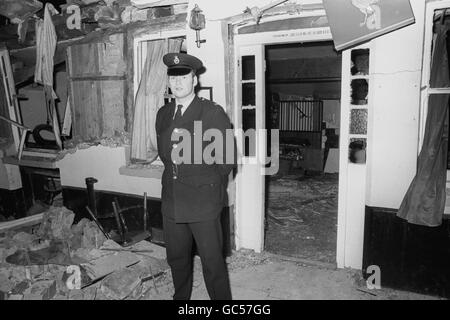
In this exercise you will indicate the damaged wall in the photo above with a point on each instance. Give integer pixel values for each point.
(103, 163)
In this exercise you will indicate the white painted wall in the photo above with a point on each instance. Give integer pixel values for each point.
(103, 163)
(396, 60)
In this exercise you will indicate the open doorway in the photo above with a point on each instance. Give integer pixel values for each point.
(303, 91)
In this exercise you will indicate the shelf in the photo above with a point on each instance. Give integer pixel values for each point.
(359, 106)
(357, 136)
(28, 161)
(359, 77)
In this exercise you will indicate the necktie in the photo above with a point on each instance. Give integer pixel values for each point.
(178, 113)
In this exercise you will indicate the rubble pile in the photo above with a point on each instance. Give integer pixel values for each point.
(58, 259)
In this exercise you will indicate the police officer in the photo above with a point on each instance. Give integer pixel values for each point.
(193, 194)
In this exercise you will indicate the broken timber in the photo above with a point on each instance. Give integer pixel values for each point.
(19, 223)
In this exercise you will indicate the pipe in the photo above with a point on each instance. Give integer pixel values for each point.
(118, 222)
(98, 223)
(91, 194)
(145, 215)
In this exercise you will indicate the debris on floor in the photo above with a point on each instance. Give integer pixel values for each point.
(57, 259)
(245, 258)
(301, 216)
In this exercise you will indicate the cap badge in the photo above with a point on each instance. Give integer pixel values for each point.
(176, 60)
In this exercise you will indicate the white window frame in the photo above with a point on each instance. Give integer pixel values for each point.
(140, 51)
(426, 91)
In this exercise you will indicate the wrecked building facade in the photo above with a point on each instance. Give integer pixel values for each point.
(103, 70)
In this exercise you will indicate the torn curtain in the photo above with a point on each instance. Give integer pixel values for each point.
(424, 201)
(149, 98)
(43, 72)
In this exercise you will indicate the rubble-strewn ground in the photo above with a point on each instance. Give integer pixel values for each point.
(301, 216)
(34, 265)
(264, 276)
(269, 277)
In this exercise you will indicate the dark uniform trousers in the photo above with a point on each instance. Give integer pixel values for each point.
(208, 237)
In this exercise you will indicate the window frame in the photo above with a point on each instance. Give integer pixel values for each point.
(139, 52)
(425, 89)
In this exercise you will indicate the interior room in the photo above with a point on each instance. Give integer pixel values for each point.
(303, 90)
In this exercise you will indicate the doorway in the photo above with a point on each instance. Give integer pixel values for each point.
(303, 91)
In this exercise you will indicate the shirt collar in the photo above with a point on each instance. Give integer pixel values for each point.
(186, 104)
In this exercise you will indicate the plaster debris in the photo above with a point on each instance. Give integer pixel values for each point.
(5, 284)
(39, 262)
(120, 284)
(56, 223)
(105, 265)
(119, 139)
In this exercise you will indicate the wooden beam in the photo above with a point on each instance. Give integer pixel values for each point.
(14, 123)
(19, 223)
(29, 161)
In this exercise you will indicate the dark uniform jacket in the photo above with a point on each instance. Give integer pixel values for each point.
(193, 192)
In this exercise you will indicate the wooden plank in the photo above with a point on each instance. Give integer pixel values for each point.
(97, 75)
(6, 135)
(100, 109)
(10, 90)
(28, 161)
(113, 110)
(71, 89)
(19, 223)
(111, 60)
(83, 60)
(86, 106)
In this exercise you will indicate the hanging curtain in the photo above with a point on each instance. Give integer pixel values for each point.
(149, 98)
(424, 201)
(43, 72)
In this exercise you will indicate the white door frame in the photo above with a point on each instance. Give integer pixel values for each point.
(249, 228)
(271, 38)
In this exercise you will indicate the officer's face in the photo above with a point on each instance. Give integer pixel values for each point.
(183, 86)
